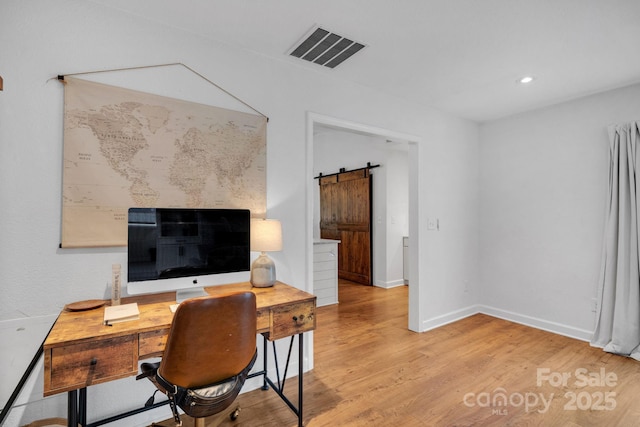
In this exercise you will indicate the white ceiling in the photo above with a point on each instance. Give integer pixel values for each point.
(461, 56)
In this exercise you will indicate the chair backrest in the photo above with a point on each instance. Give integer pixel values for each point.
(211, 339)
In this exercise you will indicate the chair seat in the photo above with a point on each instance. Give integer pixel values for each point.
(203, 401)
(217, 389)
(150, 370)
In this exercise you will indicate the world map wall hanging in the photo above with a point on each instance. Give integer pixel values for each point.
(124, 148)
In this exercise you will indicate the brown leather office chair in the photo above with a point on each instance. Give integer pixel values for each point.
(210, 349)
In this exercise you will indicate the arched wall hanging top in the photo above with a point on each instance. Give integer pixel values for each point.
(62, 76)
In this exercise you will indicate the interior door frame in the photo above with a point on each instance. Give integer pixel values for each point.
(415, 286)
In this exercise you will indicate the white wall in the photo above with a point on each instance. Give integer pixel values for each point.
(448, 188)
(543, 193)
(334, 149)
(40, 39)
(397, 215)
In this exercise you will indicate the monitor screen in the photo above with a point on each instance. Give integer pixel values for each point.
(177, 248)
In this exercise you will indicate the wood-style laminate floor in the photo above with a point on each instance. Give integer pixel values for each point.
(370, 370)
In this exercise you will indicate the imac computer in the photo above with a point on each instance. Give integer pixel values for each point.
(186, 249)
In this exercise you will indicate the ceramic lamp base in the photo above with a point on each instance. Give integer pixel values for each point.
(263, 272)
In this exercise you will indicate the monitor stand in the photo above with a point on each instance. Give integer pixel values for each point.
(183, 294)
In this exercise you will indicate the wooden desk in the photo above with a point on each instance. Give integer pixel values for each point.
(81, 351)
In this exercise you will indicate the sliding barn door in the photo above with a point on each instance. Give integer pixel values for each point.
(345, 215)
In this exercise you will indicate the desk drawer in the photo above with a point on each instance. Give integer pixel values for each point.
(152, 343)
(292, 319)
(80, 365)
(263, 320)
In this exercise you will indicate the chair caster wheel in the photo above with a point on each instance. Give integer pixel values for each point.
(234, 415)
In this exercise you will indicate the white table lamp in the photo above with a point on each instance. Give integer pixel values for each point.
(266, 236)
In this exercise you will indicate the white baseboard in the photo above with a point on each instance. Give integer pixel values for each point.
(390, 284)
(534, 322)
(451, 317)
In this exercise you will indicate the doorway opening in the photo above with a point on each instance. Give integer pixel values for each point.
(317, 125)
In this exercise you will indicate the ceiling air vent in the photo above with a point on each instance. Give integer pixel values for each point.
(325, 48)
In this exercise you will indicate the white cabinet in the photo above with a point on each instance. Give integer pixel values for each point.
(325, 271)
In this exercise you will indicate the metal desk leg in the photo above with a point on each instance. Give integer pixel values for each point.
(300, 372)
(279, 386)
(265, 385)
(82, 407)
(72, 408)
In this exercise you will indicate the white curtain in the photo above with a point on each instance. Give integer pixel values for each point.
(618, 323)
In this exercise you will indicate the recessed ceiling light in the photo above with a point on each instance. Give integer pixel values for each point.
(525, 79)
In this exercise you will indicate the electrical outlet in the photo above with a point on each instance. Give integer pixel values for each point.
(432, 223)
(594, 305)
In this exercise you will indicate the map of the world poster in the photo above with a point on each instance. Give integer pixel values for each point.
(124, 148)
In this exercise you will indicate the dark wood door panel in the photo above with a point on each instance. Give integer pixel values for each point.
(345, 215)
(354, 263)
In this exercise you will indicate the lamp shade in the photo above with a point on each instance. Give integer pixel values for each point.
(266, 235)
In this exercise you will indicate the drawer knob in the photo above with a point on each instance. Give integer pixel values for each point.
(94, 362)
(299, 320)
